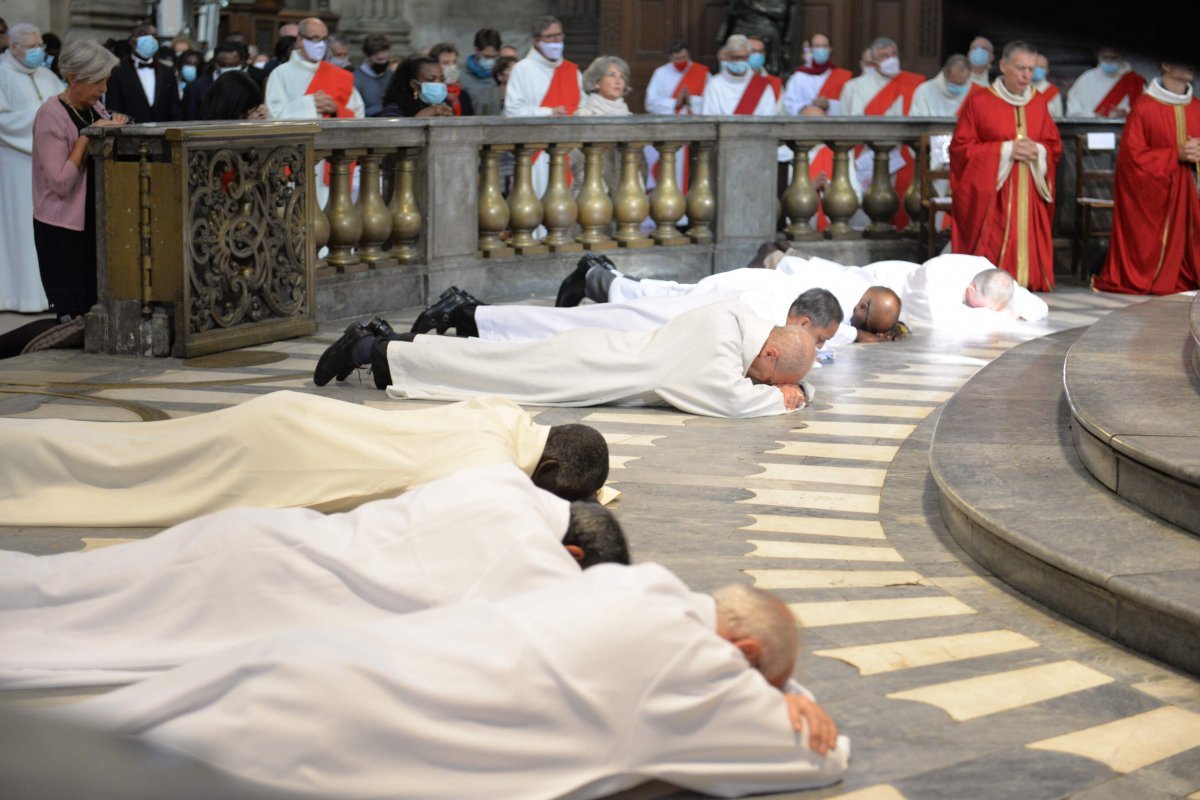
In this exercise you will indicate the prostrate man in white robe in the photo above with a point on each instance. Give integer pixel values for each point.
(278, 450)
(130, 611)
(1107, 89)
(720, 360)
(1041, 83)
(309, 87)
(581, 689)
(980, 56)
(944, 93)
(819, 83)
(737, 90)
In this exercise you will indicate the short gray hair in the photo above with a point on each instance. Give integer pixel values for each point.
(599, 68)
(745, 612)
(996, 285)
(956, 60)
(1019, 47)
(21, 31)
(86, 60)
(880, 43)
(738, 43)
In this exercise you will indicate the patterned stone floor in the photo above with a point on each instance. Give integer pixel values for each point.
(949, 684)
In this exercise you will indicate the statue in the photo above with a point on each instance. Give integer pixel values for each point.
(769, 20)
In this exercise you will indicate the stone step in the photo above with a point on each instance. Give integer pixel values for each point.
(1015, 495)
(1135, 406)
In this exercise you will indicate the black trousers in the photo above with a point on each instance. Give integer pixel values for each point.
(68, 265)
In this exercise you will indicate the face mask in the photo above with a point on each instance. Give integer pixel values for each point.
(379, 68)
(1039, 74)
(146, 47)
(820, 55)
(978, 57)
(450, 73)
(889, 67)
(340, 61)
(551, 50)
(680, 66)
(188, 71)
(1110, 67)
(258, 65)
(486, 63)
(757, 61)
(314, 51)
(34, 57)
(433, 93)
(736, 67)
(956, 89)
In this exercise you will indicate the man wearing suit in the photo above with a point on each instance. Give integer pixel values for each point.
(140, 87)
(226, 58)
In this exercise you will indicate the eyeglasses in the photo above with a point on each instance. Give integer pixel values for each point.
(551, 37)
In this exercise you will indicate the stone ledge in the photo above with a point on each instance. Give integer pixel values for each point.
(1032, 514)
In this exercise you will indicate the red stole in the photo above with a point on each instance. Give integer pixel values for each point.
(1050, 93)
(564, 88)
(453, 94)
(694, 79)
(1131, 85)
(776, 85)
(832, 88)
(335, 82)
(752, 94)
(901, 86)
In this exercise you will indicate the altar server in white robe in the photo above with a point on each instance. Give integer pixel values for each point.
(578, 690)
(737, 89)
(127, 612)
(24, 85)
(1107, 90)
(1041, 83)
(819, 83)
(278, 450)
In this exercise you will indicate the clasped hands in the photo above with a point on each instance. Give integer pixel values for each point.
(1025, 150)
(1190, 151)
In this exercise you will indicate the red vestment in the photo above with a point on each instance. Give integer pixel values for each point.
(903, 86)
(1010, 227)
(335, 82)
(694, 79)
(751, 95)
(1131, 85)
(1156, 216)
(831, 89)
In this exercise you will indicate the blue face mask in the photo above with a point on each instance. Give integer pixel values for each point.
(34, 57)
(146, 47)
(736, 67)
(49, 62)
(956, 89)
(433, 93)
(757, 61)
(188, 71)
(1110, 67)
(978, 57)
(1039, 74)
(820, 55)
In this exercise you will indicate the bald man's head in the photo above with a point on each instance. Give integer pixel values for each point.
(877, 311)
(785, 358)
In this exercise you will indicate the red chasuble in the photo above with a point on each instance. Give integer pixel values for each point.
(1010, 227)
(335, 82)
(901, 86)
(1156, 219)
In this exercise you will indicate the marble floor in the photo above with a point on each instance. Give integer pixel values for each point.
(949, 684)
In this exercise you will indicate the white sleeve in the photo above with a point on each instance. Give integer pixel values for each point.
(846, 334)
(793, 99)
(518, 97)
(355, 105)
(658, 100)
(280, 106)
(1028, 306)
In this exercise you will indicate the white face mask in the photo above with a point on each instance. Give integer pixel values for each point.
(551, 50)
(313, 51)
(889, 67)
(450, 73)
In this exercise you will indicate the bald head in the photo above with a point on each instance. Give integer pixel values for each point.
(878, 311)
(812, 111)
(785, 358)
(760, 625)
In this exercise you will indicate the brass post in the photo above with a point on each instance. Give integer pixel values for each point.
(701, 204)
(880, 200)
(493, 210)
(801, 201)
(147, 229)
(912, 197)
(667, 205)
(345, 223)
(595, 206)
(558, 204)
(840, 201)
(630, 200)
(406, 216)
(376, 219)
(524, 207)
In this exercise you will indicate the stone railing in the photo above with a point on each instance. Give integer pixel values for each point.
(209, 233)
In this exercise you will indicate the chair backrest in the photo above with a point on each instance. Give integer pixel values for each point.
(1095, 144)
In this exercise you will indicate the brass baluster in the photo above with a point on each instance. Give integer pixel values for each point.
(559, 209)
(630, 200)
(524, 207)
(701, 204)
(345, 223)
(376, 219)
(912, 198)
(880, 200)
(406, 215)
(840, 201)
(493, 210)
(801, 200)
(667, 205)
(595, 206)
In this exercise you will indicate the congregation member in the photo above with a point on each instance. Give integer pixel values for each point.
(417, 90)
(1003, 159)
(1107, 90)
(719, 360)
(188, 66)
(1042, 84)
(446, 54)
(677, 87)
(943, 95)
(605, 84)
(478, 67)
(140, 87)
(283, 449)
(64, 223)
(737, 90)
(227, 57)
(758, 65)
(817, 84)
(508, 51)
(238, 575)
(490, 101)
(53, 46)
(372, 77)
(1155, 248)
(611, 678)
(234, 96)
(309, 87)
(338, 52)
(980, 55)
(25, 84)
(285, 40)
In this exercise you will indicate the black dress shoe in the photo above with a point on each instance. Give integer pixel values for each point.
(338, 359)
(378, 326)
(574, 287)
(437, 316)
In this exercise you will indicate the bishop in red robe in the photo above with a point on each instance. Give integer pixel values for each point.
(1002, 163)
(1156, 216)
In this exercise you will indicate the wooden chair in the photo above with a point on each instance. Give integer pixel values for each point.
(931, 202)
(1090, 184)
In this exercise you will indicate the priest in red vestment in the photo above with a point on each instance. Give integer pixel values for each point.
(1156, 219)
(1002, 163)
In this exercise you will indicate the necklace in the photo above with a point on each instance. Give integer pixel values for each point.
(78, 116)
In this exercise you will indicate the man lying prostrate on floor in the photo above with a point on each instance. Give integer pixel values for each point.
(278, 450)
(816, 310)
(581, 689)
(871, 312)
(719, 360)
(951, 291)
(127, 612)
